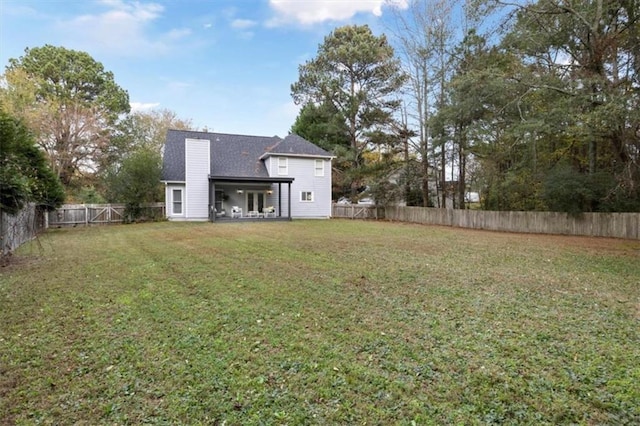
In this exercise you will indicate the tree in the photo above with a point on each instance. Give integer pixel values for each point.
(424, 34)
(75, 105)
(132, 168)
(551, 111)
(24, 173)
(357, 73)
(141, 129)
(582, 59)
(323, 125)
(149, 128)
(136, 181)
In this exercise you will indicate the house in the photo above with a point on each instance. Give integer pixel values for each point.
(214, 176)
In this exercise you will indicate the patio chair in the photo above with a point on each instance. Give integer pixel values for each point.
(236, 211)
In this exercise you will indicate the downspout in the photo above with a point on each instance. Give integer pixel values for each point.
(166, 200)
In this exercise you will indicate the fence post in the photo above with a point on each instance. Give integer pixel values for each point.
(86, 215)
(2, 236)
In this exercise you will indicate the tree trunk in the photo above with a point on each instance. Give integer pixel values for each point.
(462, 170)
(443, 182)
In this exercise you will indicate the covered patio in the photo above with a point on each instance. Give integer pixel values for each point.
(249, 198)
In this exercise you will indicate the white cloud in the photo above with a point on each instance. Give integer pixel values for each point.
(242, 24)
(177, 34)
(309, 12)
(142, 106)
(18, 10)
(124, 29)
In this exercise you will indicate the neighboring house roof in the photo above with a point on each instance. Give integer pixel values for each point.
(233, 156)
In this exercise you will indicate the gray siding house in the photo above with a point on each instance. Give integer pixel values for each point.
(218, 176)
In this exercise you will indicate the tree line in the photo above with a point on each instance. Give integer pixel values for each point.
(534, 105)
(67, 132)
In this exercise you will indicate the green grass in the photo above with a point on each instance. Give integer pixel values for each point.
(319, 322)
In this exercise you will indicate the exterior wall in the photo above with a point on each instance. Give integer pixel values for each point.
(302, 169)
(197, 166)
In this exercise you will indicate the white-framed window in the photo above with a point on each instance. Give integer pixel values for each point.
(176, 201)
(283, 166)
(319, 167)
(306, 196)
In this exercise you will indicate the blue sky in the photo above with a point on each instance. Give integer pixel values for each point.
(225, 64)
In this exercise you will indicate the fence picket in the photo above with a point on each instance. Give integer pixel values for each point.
(614, 225)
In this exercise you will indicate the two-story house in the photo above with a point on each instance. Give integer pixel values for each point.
(214, 176)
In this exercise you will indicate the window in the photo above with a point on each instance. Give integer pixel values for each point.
(319, 167)
(283, 166)
(306, 196)
(176, 196)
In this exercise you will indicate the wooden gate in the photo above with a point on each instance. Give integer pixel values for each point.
(96, 214)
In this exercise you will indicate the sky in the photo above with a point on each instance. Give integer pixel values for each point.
(226, 65)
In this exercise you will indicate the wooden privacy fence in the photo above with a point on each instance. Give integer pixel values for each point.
(100, 214)
(17, 229)
(616, 225)
(357, 211)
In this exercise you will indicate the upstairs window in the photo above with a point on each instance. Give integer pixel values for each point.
(319, 167)
(283, 166)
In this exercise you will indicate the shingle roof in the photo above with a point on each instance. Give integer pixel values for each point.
(295, 145)
(173, 157)
(233, 155)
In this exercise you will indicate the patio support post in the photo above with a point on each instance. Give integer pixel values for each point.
(289, 208)
(279, 199)
(212, 202)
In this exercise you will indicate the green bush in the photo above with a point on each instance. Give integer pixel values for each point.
(25, 175)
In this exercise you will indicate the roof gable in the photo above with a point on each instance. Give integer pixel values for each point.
(294, 145)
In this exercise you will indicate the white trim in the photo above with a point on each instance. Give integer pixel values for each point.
(167, 182)
(182, 202)
(276, 154)
(302, 200)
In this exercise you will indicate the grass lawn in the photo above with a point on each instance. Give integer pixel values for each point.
(319, 322)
